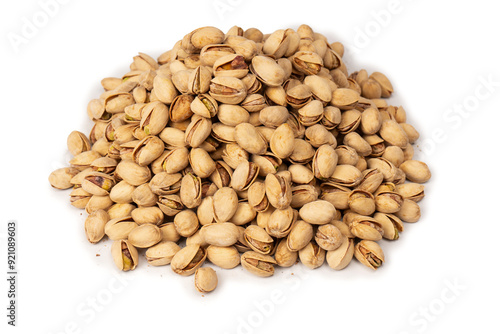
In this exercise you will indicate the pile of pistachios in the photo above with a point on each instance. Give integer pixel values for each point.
(245, 148)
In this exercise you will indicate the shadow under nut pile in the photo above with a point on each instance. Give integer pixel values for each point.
(245, 148)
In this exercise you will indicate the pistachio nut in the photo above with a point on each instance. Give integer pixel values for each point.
(372, 179)
(161, 254)
(280, 222)
(225, 257)
(164, 183)
(318, 212)
(267, 71)
(61, 178)
(77, 143)
(369, 253)
(412, 191)
(324, 162)
(312, 256)
(362, 202)
(247, 137)
(335, 194)
(168, 232)
(145, 236)
(303, 194)
(188, 259)
(384, 83)
(147, 215)
(273, 116)
(409, 212)
(205, 280)
(124, 255)
(132, 173)
(258, 264)
(186, 223)
(190, 191)
(278, 191)
(258, 239)
(350, 121)
(257, 197)
(220, 234)
(394, 154)
(244, 214)
(94, 225)
(244, 175)
(119, 228)
(204, 105)
(365, 227)
(300, 235)
(197, 131)
(225, 204)
(393, 133)
(79, 198)
(391, 225)
(416, 171)
(371, 121)
(340, 258)
(231, 65)
(284, 257)
(228, 90)
(329, 237)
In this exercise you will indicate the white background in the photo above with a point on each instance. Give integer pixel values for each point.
(437, 55)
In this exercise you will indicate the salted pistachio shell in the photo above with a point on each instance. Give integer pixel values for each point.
(168, 232)
(201, 162)
(61, 178)
(232, 115)
(199, 80)
(258, 239)
(280, 222)
(393, 133)
(254, 103)
(350, 121)
(124, 255)
(384, 166)
(318, 135)
(324, 162)
(278, 191)
(228, 90)
(354, 140)
(365, 227)
(340, 258)
(394, 154)
(384, 83)
(371, 89)
(147, 215)
(223, 133)
(190, 191)
(94, 225)
(301, 174)
(388, 201)
(267, 71)
(329, 237)
(210, 53)
(303, 152)
(412, 191)
(372, 179)
(205, 106)
(98, 202)
(335, 194)
(132, 173)
(331, 117)
(186, 223)
(144, 236)
(205, 280)
(391, 225)
(268, 163)
(116, 101)
(311, 113)
(369, 253)
(77, 143)
(362, 202)
(104, 165)
(202, 37)
(257, 198)
(276, 44)
(148, 150)
(225, 204)
(416, 171)
(244, 214)
(312, 256)
(233, 155)
(79, 198)
(188, 259)
(284, 257)
(98, 184)
(154, 118)
(119, 228)
(319, 212)
(144, 196)
(244, 175)
(220, 234)
(273, 116)
(303, 194)
(197, 131)
(300, 235)
(120, 210)
(247, 137)
(84, 159)
(345, 98)
(161, 254)
(409, 212)
(258, 264)
(371, 121)
(282, 141)
(320, 87)
(307, 62)
(222, 174)
(165, 183)
(298, 96)
(225, 257)
(232, 65)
